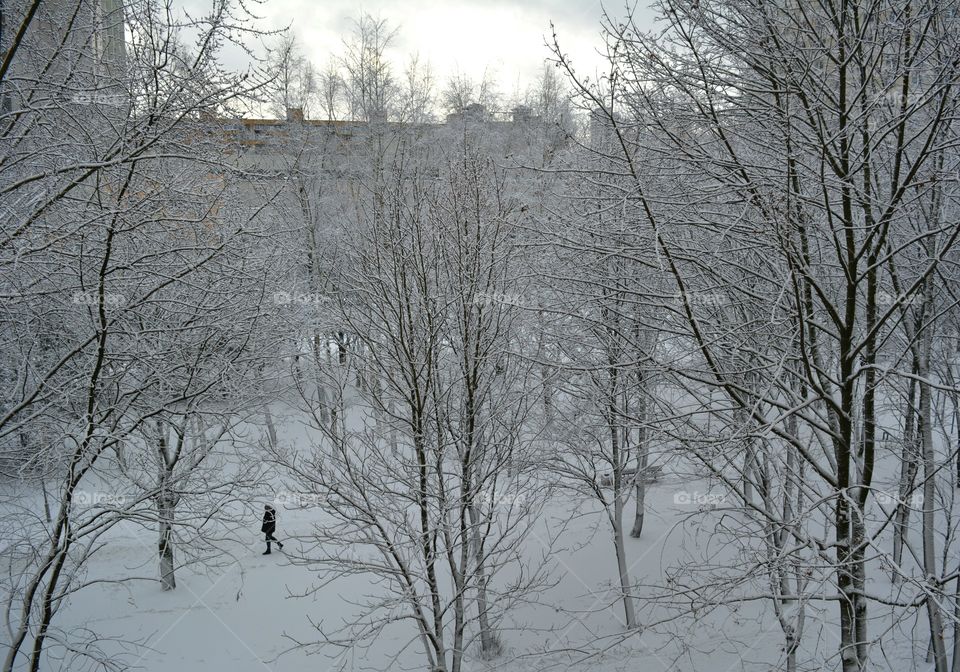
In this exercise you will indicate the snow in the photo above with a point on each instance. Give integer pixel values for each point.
(244, 618)
(248, 612)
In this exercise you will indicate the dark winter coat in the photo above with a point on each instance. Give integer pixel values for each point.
(269, 521)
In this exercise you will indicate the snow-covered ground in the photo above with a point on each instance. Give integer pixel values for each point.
(243, 616)
(248, 612)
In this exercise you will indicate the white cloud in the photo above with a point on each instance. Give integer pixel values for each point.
(457, 35)
(466, 36)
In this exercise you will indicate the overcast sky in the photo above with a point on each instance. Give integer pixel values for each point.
(456, 35)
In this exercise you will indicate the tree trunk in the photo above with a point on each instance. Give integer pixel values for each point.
(791, 646)
(858, 573)
(391, 409)
(908, 473)
(848, 649)
(749, 456)
(618, 542)
(166, 505)
(271, 428)
(956, 627)
(489, 644)
(321, 390)
(335, 424)
(617, 462)
(46, 501)
(547, 381)
(640, 494)
(360, 371)
(643, 462)
(934, 616)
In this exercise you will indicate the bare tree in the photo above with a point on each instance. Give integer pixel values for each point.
(461, 91)
(415, 465)
(417, 93)
(331, 91)
(91, 237)
(295, 85)
(371, 85)
(719, 122)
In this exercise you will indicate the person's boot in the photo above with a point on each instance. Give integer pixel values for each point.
(267, 552)
(280, 544)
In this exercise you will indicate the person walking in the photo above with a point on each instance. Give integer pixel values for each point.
(269, 527)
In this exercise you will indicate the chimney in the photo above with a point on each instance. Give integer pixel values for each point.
(294, 114)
